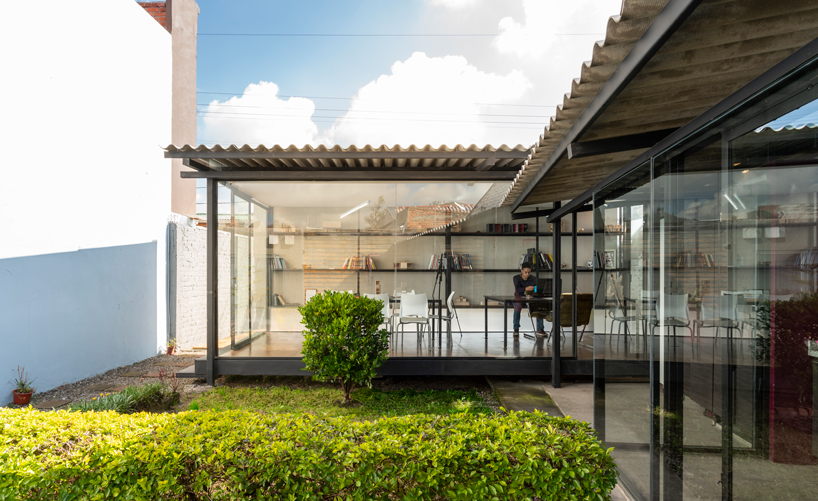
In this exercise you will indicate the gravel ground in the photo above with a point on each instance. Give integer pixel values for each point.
(82, 390)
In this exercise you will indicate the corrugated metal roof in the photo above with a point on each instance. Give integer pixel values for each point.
(721, 47)
(280, 158)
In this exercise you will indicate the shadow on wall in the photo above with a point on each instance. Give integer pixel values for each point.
(71, 315)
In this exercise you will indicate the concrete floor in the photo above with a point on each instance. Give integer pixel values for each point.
(410, 344)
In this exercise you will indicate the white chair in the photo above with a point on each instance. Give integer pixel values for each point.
(414, 309)
(452, 314)
(677, 314)
(718, 312)
(384, 298)
(621, 313)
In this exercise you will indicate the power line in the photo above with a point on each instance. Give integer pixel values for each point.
(386, 35)
(252, 116)
(236, 94)
(373, 111)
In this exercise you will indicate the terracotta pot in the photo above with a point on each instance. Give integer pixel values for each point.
(21, 398)
(171, 349)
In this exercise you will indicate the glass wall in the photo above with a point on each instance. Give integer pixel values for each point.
(623, 314)
(706, 367)
(282, 243)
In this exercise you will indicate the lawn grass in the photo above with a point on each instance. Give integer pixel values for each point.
(323, 401)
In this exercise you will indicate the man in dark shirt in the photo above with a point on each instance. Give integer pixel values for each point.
(522, 283)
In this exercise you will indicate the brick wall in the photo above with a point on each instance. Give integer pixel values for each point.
(159, 11)
(188, 284)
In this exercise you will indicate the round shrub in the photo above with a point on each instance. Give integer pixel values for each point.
(342, 341)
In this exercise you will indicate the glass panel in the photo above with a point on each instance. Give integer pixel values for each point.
(690, 328)
(289, 241)
(771, 238)
(622, 313)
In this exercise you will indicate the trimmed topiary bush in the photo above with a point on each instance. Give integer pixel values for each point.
(342, 341)
(242, 455)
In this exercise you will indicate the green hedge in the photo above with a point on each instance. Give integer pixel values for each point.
(243, 455)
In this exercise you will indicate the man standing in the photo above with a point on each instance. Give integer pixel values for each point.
(522, 283)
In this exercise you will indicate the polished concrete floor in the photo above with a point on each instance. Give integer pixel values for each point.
(410, 344)
(472, 344)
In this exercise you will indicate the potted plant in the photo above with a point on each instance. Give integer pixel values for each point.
(171, 346)
(23, 389)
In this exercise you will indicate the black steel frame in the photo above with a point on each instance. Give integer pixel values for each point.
(787, 86)
(212, 365)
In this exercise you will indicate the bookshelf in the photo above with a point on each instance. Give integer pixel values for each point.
(358, 260)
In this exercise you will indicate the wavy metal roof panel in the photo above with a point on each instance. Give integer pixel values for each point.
(289, 158)
(722, 46)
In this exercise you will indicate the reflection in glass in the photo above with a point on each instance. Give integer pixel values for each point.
(290, 241)
(713, 259)
(623, 305)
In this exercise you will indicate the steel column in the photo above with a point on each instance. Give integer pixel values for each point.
(212, 278)
(556, 378)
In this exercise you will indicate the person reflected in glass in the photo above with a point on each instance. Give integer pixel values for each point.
(524, 285)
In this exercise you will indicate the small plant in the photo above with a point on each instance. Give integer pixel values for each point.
(342, 341)
(22, 383)
(119, 402)
(194, 406)
(171, 385)
(130, 399)
(172, 343)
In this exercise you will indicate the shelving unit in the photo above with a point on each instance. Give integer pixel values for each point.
(494, 257)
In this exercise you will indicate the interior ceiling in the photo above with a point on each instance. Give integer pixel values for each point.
(341, 195)
(722, 46)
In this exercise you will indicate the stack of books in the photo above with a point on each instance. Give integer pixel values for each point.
(459, 262)
(278, 262)
(694, 260)
(359, 263)
(545, 262)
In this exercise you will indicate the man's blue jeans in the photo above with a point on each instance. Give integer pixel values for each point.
(517, 309)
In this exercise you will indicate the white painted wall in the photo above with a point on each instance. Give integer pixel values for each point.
(86, 192)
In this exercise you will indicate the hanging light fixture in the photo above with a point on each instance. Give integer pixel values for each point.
(345, 214)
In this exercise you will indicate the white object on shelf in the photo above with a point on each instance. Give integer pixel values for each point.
(289, 239)
(273, 239)
(775, 232)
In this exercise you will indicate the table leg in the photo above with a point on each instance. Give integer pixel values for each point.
(440, 323)
(486, 315)
(505, 325)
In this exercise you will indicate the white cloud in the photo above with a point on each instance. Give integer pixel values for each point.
(544, 20)
(452, 4)
(432, 100)
(259, 116)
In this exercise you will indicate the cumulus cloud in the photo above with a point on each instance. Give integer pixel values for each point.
(430, 100)
(545, 19)
(452, 4)
(259, 116)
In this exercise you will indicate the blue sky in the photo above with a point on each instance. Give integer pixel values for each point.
(393, 90)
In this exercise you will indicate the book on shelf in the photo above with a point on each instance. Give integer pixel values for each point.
(459, 261)
(278, 262)
(599, 262)
(807, 258)
(278, 300)
(694, 260)
(541, 259)
(359, 263)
